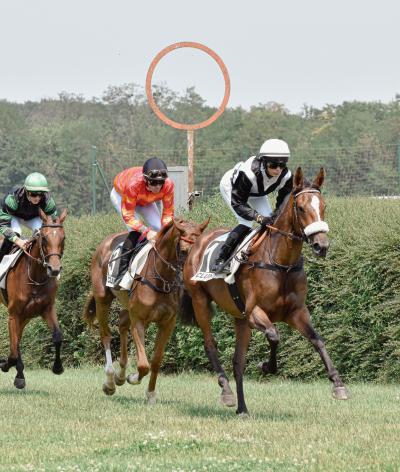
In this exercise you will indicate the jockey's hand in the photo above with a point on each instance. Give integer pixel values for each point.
(151, 236)
(265, 220)
(21, 243)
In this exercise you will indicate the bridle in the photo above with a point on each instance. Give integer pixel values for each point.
(167, 285)
(42, 259)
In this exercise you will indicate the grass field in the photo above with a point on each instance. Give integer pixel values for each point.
(66, 423)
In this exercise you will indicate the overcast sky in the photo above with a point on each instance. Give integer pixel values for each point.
(293, 52)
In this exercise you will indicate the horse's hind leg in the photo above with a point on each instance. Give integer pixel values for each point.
(301, 321)
(120, 376)
(14, 332)
(52, 322)
(19, 381)
(203, 317)
(260, 321)
(163, 335)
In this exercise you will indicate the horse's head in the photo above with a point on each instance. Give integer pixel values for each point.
(309, 210)
(188, 234)
(51, 242)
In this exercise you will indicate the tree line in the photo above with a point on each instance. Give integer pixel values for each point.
(356, 141)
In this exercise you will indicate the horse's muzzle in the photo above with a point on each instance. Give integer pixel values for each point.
(53, 272)
(320, 244)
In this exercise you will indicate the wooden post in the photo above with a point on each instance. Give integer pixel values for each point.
(190, 147)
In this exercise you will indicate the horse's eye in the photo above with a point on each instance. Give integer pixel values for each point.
(302, 210)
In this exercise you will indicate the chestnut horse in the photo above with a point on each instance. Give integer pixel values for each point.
(31, 291)
(272, 285)
(153, 298)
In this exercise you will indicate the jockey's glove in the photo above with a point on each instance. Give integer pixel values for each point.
(265, 220)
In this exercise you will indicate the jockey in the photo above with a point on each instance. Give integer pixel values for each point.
(21, 207)
(135, 192)
(245, 187)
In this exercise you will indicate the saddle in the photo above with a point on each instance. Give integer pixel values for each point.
(137, 261)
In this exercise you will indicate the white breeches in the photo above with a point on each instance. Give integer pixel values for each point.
(33, 224)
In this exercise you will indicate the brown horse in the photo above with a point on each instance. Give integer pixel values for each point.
(272, 285)
(153, 298)
(31, 291)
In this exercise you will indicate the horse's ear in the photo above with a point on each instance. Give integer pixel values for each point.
(178, 224)
(298, 181)
(63, 215)
(319, 179)
(204, 225)
(43, 215)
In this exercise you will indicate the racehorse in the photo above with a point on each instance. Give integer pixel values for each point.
(31, 287)
(153, 298)
(272, 285)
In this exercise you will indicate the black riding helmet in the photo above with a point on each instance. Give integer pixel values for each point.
(155, 169)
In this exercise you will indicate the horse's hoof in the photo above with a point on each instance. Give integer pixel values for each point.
(4, 365)
(340, 393)
(243, 415)
(119, 380)
(151, 398)
(228, 399)
(58, 370)
(266, 369)
(133, 379)
(107, 390)
(19, 383)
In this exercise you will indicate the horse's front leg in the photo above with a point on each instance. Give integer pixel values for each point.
(50, 316)
(300, 320)
(163, 335)
(14, 336)
(120, 376)
(260, 321)
(142, 363)
(203, 318)
(243, 333)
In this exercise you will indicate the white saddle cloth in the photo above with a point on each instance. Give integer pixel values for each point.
(210, 254)
(7, 263)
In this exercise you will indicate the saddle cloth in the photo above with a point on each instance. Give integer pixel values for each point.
(135, 267)
(6, 264)
(211, 253)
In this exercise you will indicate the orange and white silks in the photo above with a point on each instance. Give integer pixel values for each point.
(131, 186)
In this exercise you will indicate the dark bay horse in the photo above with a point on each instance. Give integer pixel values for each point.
(153, 298)
(31, 291)
(272, 284)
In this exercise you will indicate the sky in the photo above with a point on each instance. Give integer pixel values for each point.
(292, 52)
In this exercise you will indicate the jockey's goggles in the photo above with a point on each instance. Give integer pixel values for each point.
(35, 194)
(155, 182)
(156, 174)
(275, 165)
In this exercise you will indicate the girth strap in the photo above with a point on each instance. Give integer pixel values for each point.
(143, 280)
(234, 292)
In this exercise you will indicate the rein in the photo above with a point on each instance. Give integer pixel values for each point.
(168, 286)
(275, 266)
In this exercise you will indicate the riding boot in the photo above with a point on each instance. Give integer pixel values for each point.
(126, 253)
(235, 237)
(5, 248)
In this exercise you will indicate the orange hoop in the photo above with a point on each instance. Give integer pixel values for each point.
(159, 113)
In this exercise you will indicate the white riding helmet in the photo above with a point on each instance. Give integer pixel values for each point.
(274, 150)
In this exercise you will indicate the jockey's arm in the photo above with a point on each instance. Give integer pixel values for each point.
(239, 198)
(168, 205)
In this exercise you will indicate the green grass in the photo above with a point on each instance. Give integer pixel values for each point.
(66, 423)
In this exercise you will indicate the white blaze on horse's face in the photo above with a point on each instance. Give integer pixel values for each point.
(318, 225)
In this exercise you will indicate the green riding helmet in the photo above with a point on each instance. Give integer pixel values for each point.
(36, 182)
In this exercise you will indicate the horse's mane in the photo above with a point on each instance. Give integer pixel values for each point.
(164, 230)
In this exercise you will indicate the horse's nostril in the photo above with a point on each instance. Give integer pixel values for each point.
(316, 247)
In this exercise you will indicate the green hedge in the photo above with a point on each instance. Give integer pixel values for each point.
(354, 298)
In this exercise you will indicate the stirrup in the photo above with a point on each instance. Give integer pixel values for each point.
(218, 266)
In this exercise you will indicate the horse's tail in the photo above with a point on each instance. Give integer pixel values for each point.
(89, 311)
(186, 311)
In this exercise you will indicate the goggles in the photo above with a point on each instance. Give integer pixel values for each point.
(275, 165)
(160, 174)
(35, 194)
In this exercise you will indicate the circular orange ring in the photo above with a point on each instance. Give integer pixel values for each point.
(152, 102)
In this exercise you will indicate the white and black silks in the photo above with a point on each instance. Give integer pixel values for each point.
(248, 182)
